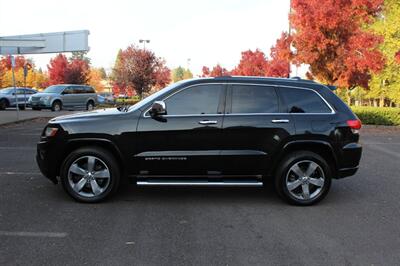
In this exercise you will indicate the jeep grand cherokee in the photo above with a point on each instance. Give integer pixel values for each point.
(227, 131)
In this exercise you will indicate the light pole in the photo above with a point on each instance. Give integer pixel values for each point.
(144, 43)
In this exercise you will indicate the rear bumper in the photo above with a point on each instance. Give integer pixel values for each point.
(349, 160)
(345, 172)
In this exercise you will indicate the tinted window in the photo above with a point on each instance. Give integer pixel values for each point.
(303, 101)
(30, 92)
(201, 99)
(89, 90)
(54, 89)
(254, 99)
(78, 90)
(69, 90)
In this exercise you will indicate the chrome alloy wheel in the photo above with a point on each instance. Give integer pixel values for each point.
(89, 176)
(305, 180)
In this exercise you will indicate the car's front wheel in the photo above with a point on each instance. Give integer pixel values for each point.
(303, 178)
(56, 106)
(3, 104)
(90, 174)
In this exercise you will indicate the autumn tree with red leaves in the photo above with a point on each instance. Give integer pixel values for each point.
(251, 64)
(77, 72)
(20, 61)
(140, 70)
(329, 36)
(217, 71)
(56, 69)
(281, 57)
(62, 71)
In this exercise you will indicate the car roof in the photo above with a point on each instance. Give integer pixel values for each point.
(291, 82)
(71, 85)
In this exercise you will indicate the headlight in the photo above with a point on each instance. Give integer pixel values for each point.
(45, 98)
(50, 131)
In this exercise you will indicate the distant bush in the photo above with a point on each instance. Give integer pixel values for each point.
(387, 116)
(129, 101)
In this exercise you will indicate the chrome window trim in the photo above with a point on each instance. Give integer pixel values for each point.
(245, 114)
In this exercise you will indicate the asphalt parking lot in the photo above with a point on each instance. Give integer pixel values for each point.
(357, 224)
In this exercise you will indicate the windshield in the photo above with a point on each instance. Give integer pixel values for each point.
(6, 91)
(154, 96)
(54, 89)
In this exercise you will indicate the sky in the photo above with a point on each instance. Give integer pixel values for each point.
(206, 32)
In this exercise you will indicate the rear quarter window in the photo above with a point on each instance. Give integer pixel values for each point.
(303, 101)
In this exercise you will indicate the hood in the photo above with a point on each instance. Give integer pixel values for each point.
(84, 116)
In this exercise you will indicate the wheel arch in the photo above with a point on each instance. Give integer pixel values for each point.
(7, 101)
(102, 143)
(320, 147)
(56, 99)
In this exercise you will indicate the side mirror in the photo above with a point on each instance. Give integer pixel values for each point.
(158, 108)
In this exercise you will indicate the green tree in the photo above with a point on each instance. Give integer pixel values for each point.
(386, 84)
(80, 56)
(180, 73)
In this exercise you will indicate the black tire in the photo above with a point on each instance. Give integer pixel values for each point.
(284, 173)
(36, 108)
(3, 104)
(106, 158)
(56, 106)
(90, 105)
(21, 107)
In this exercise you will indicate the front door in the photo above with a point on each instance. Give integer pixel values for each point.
(254, 128)
(186, 141)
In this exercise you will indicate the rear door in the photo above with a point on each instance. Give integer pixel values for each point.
(254, 128)
(187, 140)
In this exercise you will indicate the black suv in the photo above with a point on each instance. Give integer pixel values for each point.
(227, 131)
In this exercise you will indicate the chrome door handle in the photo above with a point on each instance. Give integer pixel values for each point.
(208, 122)
(280, 120)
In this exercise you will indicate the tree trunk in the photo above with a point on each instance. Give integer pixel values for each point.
(348, 97)
(382, 101)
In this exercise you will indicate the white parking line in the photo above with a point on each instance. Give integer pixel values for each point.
(20, 173)
(33, 234)
(18, 148)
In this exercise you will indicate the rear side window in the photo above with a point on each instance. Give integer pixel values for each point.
(88, 90)
(69, 90)
(303, 101)
(254, 99)
(196, 100)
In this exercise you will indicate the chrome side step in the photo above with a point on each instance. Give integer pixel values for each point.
(200, 183)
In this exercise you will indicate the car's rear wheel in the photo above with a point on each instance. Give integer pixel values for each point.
(90, 106)
(303, 178)
(3, 104)
(90, 174)
(56, 106)
(36, 108)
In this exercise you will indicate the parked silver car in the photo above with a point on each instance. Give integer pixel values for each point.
(65, 96)
(7, 97)
(106, 98)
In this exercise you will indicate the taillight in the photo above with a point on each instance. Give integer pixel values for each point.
(355, 125)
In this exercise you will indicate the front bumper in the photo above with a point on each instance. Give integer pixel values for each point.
(47, 161)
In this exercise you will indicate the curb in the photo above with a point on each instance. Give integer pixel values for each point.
(23, 121)
(381, 127)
